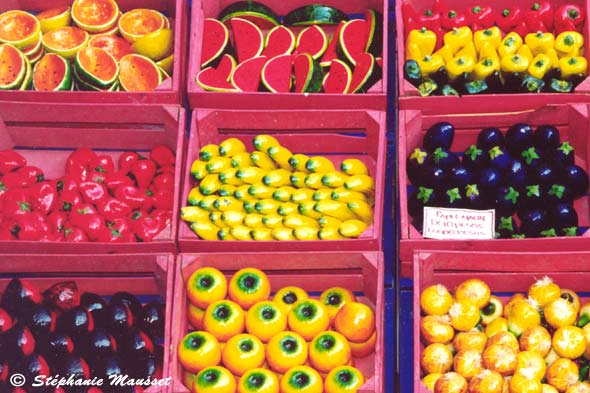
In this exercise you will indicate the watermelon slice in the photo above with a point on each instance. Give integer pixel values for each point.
(276, 74)
(330, 53)
(211, 79)
(280, 40)
(352, 40)
(366, 73)
(257, 13)
(314, 14)
(248, 39)
(226, 66)
(308, 74)
(246, 76)
(215, 41)
(312, 40)
(338, 80)
(374, 21)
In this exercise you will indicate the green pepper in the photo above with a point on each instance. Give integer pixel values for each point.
(540, 42)
(560, 86)
(427, 87)
(573, 69)
(530, 84)
(412, 72)
(448, 90)
(540, 66)
(476, 87)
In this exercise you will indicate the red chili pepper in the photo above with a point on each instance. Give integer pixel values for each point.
(539, 17)
(23, 177)
(16, 203)
(569, 17)
(163, 200)
(78, 163)
(164, 182)
(508, 18)
(57, 221)
(74, 234)
(164, 217)
(145, 227)
(112, 208)
(143, 171)
(126, 160)
(133, 196)
(480, 17)
(43, 197)
(162, 155)
(31, 226)
(93, 192)
(116, 180)
(103, 164)
(11, 160)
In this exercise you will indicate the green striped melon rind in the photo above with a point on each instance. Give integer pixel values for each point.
(250, 10)
(81, 84)
(375, 36)
(92, 80)
(315, 76)
(21, 75)
(225, 49)
(342, 50)
(373, 76)
(314, 14)
(28, 79)
(66, 83)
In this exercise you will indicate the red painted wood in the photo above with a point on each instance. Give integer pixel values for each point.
(570, 119)
(171, 92)
(198, 98)
(111, 129)
(364, 273)
(409, 97)
(310, 132)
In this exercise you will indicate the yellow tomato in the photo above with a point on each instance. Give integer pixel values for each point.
(249, 286)
(224, 319)
(199, 350)
(329, 350)
(205, 286)
(343, 379)
(258, 380)
(286, 350)
(436, 358)
(474, 290)
(265, 319)
(243, 352)
(436, 300)
(214, 380)
(308, 318)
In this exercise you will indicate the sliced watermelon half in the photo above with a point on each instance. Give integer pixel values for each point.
(255, 12)
(308, 74)
(226, 66)
(52, 73)
(212, 80)
(352, 40)
(330, 53)
(246, 76)
(338, 80)
(366, 73)
(280, 40)
(13, 67)
(312, 40)
(276, 74)
(248, 39)
(374, 21)
(314, 14)
(215, 41)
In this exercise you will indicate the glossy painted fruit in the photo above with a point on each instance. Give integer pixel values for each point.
(139, 73)
(339, 79)
(314, 14)
(95, 15)
(353, 40)
(19, 28)
(258, 380)
(436, 358)
(356, 321)
(96, 67)
(334, 298)
(205, 286)
(279, 40)
(261, 15)
(199, 350)
(328, 350)
(569, 342)
(243, 352)
(343, 379)
(52, 73)
(501, 358)
(367, 72)
(436, 300)
(155, 45)
(474, 290)
(276, 74)
(308, 74)
(308, 318)
(246, 76)
(215, 41)
(313, 41)
(214, 380)
(364, 349)
(65, 41)
(286, 350)
(114, 45)
(248, 39)
(13, 67)
(301, 379)
(249, 286)
(54, 18)
(265, 319)
(288, 296)
(138, 22)
(436, 329)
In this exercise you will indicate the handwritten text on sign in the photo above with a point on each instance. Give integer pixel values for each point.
(458, 224)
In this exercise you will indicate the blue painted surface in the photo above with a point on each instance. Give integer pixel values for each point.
(390, 339)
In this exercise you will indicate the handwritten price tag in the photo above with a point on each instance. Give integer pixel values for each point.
(458, 224)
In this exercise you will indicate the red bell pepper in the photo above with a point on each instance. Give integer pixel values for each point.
(97, 177)
(410, 17)
(117, 179)
(118, 231)
(57, 221)
(133, 196)
(79, 162)
(451, 19)
(126, 160)
(6, 232)
(170, 169)
(65, 202)
(43, 197)
(162, 155)
(103, 164)
(164, 217)
(112, 208)
(163, 200)
(16, 203)
(85, 217)
(145, 227)
(569, 17)
(66, 185)
(539, 17)
(93, 192)
(75, 235)
(143, 171)
(23, 177)
(52, 237)
(80, 211)
(164, 182)
(31, 226)
(11, 160)
(508, 18)
(480, 17)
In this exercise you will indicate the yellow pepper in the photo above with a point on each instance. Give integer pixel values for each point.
(552, 53)
(460, 65)
(430, 64)
(445, 52)
(424, 38)
(492, 35)
(488, 51)
(540, 65)
(573, 67)
(514, 63)
(413, 52)
(525, 51)
(569, 43)
(510, 44)
(468, 51)
(486, 67)
(458, 38)
(540, 42)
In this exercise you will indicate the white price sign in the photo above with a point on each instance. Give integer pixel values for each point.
(458, 224)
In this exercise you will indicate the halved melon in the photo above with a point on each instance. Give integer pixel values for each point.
(308, 74)
(366, 73)
(338, 80)
(276, 74)
(374, 25)
(215, 41)
(167, 64)
(352, 40)
(212, 80)
(139, 73)
(226, 66)
(246, 76)
(54, 18)
(312, 40)
(52, 73)
(12, 67)
(96, 67)
(113, 30)
(19, 28)
(65, 41)
(81, 84)
(35, 57)
(115, 46)
(255, 12)
(34, 52)
(139, 22)
(248, 39)
(314, 14)
(95, 15)
(28, 79)
(280, 40)
(331, 53)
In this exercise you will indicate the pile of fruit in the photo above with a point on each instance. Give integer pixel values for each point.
(489, 49)
(273, 194)
(248, 49)
(103, 49)
(64, 332)
(288, 345)
(474, 343)
(92, 202)
(527, 175)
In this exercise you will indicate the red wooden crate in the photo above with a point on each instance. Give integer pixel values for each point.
(335, 134)
(573, 124)
(505, 273)
(139, 274)
(409, 97)
(376, 98)
(314, 272)
(47, 134)
(170, 92)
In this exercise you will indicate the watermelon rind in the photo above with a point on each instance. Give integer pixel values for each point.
(96, 28)
(227, 65)
(288, 50)
(204, 86)
(240, 42)
(348, 72)
(66, 82)
(28, 79)
(372, 76)
(22, 72)
(314, 77)
(27, 41)
(314, 14)
(92, 79)
(322, 34)
(375, 34)
(83, 85)
(224, 46)
(253, 11)
(331, 51)
(261, 59)
(343, 51)
(265, 83)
